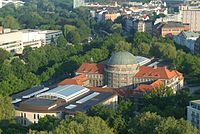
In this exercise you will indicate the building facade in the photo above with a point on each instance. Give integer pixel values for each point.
(169, 28)
(191, 15)
(142, 26)
(197, 46)
(122, 71)
(16, 41)
(193, 113)
(188, 39)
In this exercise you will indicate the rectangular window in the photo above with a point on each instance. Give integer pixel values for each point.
(38, 116)
(24, 115)
(34, 116)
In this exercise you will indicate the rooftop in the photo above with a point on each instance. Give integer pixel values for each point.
(91, 68)
(156, 72)
(189, 34)
(122, 58)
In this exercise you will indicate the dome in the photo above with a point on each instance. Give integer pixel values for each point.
(122, 58)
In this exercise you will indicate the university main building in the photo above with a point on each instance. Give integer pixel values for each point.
(122, 75)
(122, 71)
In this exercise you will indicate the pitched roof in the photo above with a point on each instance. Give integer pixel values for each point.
(77, 80)
(91, 68)
(145, 88)
(152, 72)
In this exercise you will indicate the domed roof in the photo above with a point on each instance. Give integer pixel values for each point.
(122, 58)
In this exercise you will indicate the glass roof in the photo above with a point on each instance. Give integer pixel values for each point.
(67, 92)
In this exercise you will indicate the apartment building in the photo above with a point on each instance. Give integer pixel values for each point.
(169, 28)
(193, 113)
(190, 15)
(142, 26)
(188, 39)
(16, 41)
(111, 15)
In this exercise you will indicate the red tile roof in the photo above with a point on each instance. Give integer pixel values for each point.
(77, 80)
(145, 88)
(91, 68)
(158, 72)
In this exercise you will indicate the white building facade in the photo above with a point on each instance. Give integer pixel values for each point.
(16, 41)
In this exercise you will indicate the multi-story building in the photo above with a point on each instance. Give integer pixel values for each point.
(169, 28)
(142, 26)
(191, 15)
(197, 46)
(193, 113)
(122, 71)
(16, 41)
(93, 72)
(61, 102)
(187, 38)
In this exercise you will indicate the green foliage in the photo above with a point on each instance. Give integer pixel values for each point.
(73, 37)
(152, 123)
(7, 111)
(11, 22)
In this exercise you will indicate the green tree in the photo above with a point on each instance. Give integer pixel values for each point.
(82, 124)
(11, 22)
(4, 55)
(7, 111)
(122, 46)
(73, 37)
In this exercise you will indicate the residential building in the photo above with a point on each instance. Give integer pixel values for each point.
(169, 28)
(111, 15)
(78, 3)
(193, 113)
(122, 71)
(187, 38)
(191, 15)
(62, 102)
(142, 26)
(16, 41)
(197, 46)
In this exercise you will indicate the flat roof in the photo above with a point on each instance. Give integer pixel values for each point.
(65, 92)
(82, 101)
(196, 101)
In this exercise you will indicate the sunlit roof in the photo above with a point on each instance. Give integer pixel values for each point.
(67, 92)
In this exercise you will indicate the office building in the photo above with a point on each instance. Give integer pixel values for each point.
(62, 102)
(16, 41)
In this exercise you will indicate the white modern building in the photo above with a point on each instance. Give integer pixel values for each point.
(16, 41)
(193, 113)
